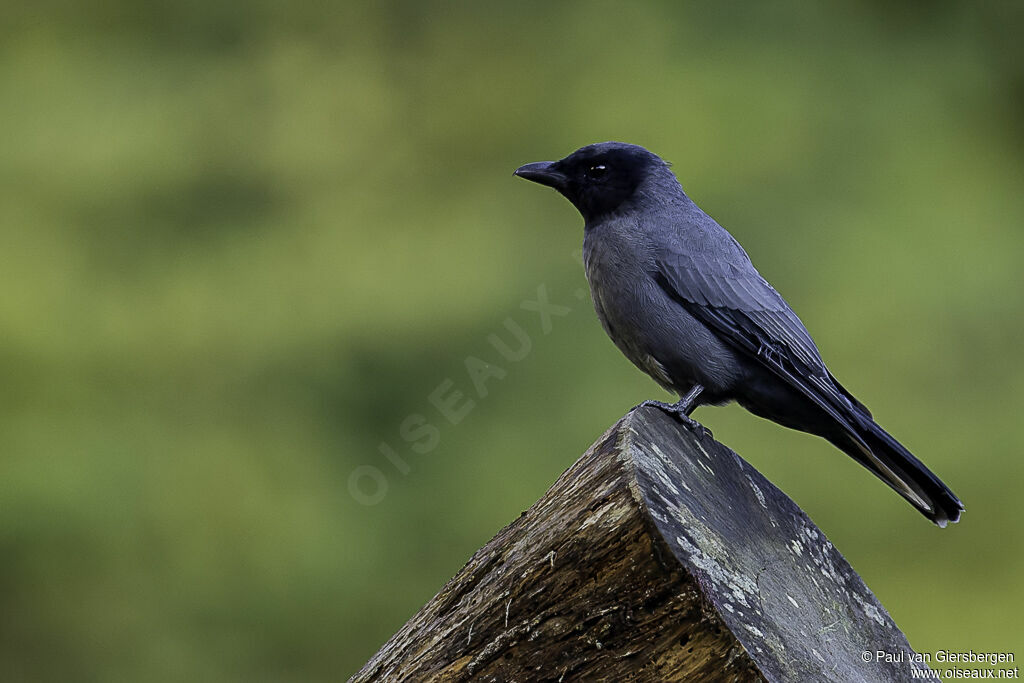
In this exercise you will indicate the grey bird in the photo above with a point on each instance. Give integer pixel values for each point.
(681, 299)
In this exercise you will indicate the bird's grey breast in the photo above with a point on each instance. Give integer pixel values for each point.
(624, 260)
(618, 259)
(604, 260)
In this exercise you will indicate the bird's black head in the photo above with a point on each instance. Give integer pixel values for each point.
(597, 179)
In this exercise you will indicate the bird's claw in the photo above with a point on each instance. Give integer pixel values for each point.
(674, 410)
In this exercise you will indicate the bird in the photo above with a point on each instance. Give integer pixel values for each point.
(682, 300)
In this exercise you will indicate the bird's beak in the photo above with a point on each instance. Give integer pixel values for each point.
(543, 172)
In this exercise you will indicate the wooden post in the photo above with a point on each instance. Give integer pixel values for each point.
(660, 555)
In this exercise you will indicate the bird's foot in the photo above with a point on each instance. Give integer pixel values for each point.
(679, 413)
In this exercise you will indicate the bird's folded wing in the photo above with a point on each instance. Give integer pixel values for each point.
(746, 312)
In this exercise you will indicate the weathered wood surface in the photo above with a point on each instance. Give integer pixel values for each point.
(660, 555)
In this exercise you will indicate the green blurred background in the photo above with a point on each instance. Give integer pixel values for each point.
(241, 244)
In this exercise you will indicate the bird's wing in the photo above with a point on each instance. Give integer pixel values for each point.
(733, 300)
(746, 312)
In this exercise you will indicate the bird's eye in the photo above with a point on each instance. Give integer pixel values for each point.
(597, 172)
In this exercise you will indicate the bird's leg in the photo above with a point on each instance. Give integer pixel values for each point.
(688, 403)
(681, 410)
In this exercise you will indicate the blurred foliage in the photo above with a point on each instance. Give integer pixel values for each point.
(243, 243)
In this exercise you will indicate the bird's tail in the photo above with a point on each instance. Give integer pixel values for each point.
(886, 457)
